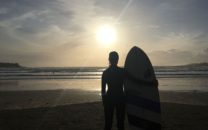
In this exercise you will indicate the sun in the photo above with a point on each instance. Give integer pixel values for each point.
(106, 34)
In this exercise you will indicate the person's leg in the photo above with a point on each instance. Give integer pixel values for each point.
(108, 109)
(120, 114)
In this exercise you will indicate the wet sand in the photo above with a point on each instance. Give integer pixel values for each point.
(78, 110)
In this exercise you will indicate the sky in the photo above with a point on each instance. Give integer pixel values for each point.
(61, 33)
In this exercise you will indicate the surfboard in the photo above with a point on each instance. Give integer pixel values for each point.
(142, 100)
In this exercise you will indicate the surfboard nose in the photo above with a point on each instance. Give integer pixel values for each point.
(134, 47)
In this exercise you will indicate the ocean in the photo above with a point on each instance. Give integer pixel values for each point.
(171, 78)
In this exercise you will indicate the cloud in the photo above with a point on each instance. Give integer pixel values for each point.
(178, 57)
(55, 30)
(28, 19)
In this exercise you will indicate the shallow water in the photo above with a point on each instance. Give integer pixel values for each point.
(165, 84)
(179, 78)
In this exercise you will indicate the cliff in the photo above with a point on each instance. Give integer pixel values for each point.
(9, 65)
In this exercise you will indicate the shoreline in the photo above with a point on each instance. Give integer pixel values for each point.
(70, 109)
(51, 98)
(89, 116)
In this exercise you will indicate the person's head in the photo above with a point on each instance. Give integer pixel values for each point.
(113, 58)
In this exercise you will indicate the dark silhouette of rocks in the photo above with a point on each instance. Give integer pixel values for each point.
(10, 65)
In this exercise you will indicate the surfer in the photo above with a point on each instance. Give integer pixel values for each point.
(114, 97)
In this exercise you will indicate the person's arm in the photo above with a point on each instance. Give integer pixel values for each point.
(103, 88)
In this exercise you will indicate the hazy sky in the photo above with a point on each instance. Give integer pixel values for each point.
(62, 32)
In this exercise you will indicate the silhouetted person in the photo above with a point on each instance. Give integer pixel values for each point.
(114, 98)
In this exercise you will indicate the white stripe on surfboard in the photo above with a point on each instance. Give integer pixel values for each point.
(148, 93)
(143, 113)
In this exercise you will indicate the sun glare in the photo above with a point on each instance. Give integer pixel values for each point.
(106, 34)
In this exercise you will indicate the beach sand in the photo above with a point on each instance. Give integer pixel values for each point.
(82, 110)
